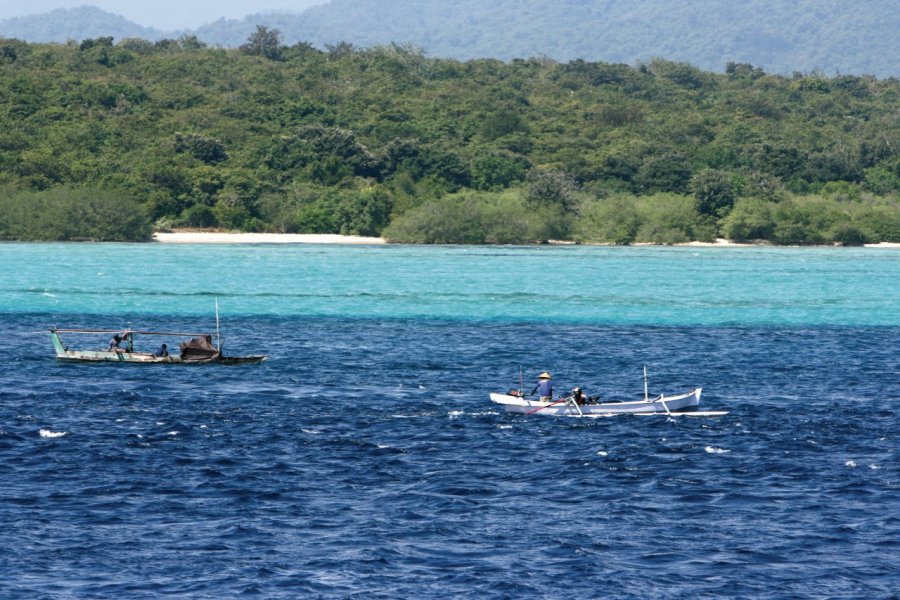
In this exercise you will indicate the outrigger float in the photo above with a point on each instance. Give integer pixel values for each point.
(197, 349)
(686, 404)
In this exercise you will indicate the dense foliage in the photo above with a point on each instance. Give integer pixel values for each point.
(782, 36)
(294, 139)
(72, 214)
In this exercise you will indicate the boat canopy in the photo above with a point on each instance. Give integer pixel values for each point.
(198, 348)
(132, 332)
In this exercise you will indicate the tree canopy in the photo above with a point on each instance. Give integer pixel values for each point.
(292, 138)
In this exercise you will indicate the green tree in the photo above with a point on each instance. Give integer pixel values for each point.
(553, 188)
(714, 192)
(264, 42)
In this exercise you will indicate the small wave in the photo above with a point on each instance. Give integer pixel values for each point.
(455, 413)
(874, 466)
(504, 426)
(312, 431)
(714, 450)
(173, 432)
(850, 463)
(602, 453)
(47, 434)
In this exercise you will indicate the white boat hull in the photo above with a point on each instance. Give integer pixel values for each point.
(682, 403)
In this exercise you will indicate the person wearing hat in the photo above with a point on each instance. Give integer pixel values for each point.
(544, 388)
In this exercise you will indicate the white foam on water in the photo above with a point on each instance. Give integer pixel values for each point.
(382, 446)
(714, 450)
(312, 431)
(602, 453)
(504, 426)
(47, 434)
(850, 463)
(173, 432)
(874, 466)
(455, 413)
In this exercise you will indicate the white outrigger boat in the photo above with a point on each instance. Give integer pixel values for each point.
(687, 404)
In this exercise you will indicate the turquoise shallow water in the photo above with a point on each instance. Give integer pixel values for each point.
(598, 285)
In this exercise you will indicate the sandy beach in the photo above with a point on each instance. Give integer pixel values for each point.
(209, 237)
(216, 237)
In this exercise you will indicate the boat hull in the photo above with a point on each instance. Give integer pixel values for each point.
(99, 356)
(681, 403)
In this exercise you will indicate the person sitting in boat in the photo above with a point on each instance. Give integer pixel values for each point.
(578, 396)
(114, 343)
(544, 388)
(162, 352)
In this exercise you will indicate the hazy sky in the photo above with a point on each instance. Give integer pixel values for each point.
(162, 14)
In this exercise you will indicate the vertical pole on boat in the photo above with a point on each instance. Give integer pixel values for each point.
(218, 337)
(521, 382)
(646, 393)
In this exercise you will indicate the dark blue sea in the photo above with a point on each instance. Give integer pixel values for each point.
(364, 458)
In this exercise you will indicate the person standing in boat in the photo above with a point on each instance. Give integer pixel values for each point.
(544, 388)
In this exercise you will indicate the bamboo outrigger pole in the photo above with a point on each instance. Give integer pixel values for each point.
(218, 337)
(646, 393)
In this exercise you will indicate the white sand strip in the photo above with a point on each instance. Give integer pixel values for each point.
(207, 237)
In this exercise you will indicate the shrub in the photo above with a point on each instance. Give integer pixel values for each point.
(471, 218)
(749, 219)
(714, 192)
(66, 213)
(882, 222)
(200, 216)
(671, 219)
(608, 221)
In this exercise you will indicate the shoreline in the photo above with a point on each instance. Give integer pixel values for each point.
(219, 237)
(215, 237)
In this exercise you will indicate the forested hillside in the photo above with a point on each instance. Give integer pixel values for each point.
(386, 140)
(62, 25)
(781, 36)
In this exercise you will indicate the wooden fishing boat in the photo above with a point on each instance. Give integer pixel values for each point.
(197, 349)
(687, 403)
